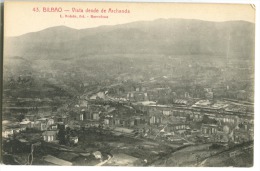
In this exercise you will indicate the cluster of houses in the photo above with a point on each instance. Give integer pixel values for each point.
(157, 89)
(218, 121)
(47, 126)
(213, 121)
(30, 121)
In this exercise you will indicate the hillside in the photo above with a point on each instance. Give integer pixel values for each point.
(162, 36)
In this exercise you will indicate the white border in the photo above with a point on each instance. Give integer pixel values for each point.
(256, 166)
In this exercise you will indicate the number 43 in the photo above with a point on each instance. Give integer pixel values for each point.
(36, 9)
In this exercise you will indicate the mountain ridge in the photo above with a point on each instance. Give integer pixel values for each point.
(161, 36)
(82, 29)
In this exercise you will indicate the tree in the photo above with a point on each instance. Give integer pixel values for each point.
(101, 120)
(62, 136)
(207, 120)
(21, 117)
(67, 136)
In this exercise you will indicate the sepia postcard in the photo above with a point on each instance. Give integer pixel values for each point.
(128, 84)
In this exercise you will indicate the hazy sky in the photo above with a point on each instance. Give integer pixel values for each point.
(20, 18)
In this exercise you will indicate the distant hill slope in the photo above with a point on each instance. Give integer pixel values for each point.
(240, 156)
(162, 36)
